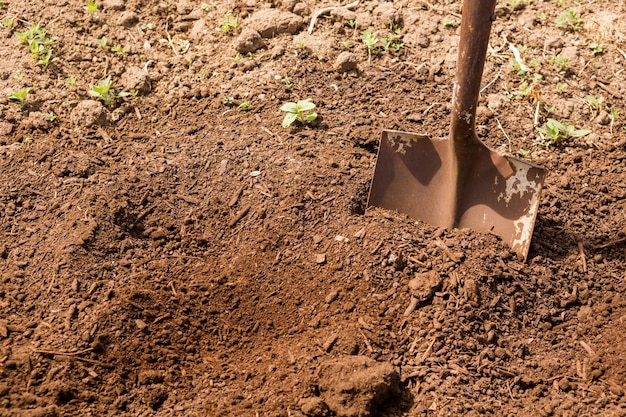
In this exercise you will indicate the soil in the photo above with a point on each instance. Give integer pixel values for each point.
(178, 252)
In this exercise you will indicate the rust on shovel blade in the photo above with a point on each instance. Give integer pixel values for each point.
(418, 176)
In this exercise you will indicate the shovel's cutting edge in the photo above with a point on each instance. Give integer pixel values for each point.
(419, 176)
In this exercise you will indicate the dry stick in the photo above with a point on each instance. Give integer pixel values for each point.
(320, 12)
(504, 132)
(581, 252)
(240, 215)
(367, 342)
(611, 243)
(585, 346)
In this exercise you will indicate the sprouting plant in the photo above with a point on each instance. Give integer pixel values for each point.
(555, 132)
(523, 153)
(229, 23)
(449, 22)
(70, 81)
(119, 49)
(560, 87)
(228, 101)
(20, 96)
(391, 42)
(569, 20)
(596, 48)
(542, 17)
(300, 111)
(352, 24)
(92, 6)
(370, 40)
(595, 103)
(50, 116)
(102, 42)
(613, 114)
(237, 57)
(8, 22)
(517, 63)
(205, 7)
(560, 61)
(287, 82)
(39, 44)
(3, 4)
(102, 91)
(244, 105)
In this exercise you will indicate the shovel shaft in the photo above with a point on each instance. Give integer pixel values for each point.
(476, 19)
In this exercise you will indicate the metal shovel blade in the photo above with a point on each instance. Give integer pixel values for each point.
(419, 176)
(457, 181)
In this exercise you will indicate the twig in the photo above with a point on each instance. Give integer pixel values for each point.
(57, 352)
(490, 83)
(581, 252)
(611, 243)
(169, 39)
(428, 351)
(585, 346)
(324, 10)
(367, 342)
(504, 133)
(240, 215)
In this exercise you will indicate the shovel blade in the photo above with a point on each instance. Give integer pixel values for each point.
(418, 175)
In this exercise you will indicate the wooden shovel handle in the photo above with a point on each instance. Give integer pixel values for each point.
(476, 19)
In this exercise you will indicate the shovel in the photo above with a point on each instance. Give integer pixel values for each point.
(457, 181)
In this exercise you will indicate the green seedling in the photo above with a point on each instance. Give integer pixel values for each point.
(229, 23)
(237, 57)
(3, 4)
(596, 48)
(20, 96)
(613, 114)
(244, 106)
(560, 62)
(228, 101)
(352, 24)
(569, 20)
(287, 82)
(392, 42)
(50, 116)
(449, 22)
(523, 153)
(119, 49)
(70, 81)
(92, 6)
(370, 40)
(561, 87)
(7, 22)
(554, 132)
(39, 44)
(542, 17)
(102, 42)
(594, 103)
(300, 111)
(102, 91)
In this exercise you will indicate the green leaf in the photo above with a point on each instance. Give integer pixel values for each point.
(305, 105)
(580, 133)
(310, 117)
(289, 119)
(289, 107)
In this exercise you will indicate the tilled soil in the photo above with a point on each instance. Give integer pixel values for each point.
(177, 252)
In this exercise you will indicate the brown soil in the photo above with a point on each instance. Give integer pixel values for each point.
(174, 254)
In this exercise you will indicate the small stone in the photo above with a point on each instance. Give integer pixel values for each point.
(320, 258)
(346, 61)
(249, 41)
(331, 296)
(89, 113)
(117, 5)
(424, 285)
(343, 15)
(564, 385)
(272, 22)
(141, 325)
(137, 80)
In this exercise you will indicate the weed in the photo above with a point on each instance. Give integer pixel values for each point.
(569, 20)
(352, 24)
(370, 40)
(237, 57)
(450, 23)
(300, 111)
(391, 42)
(92, 6)
(144, 27)
(7, 22)
(39, 44)
(20, 96)
(119, 49)
(554, 132)
(560, 62)
(244, 106)
(542, 17)
(229, 23)
(70, 81)
(560, 87)
(287, 82)
(102, 91)
(50, 116)
(596, 48)
(228, 101)
(523, 153)
(594, 103)
(102, 42)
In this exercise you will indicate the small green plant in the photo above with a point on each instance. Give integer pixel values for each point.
(370, 40)
(229, 23)
(523, 153)
(7, 22)
(91, 7)
(560, 62)
(595, 103)
(228, 101)
(102, 42)
(542, 17)
(449, 23)
(613, 114)
(391, 42)
(569, 20)
(102, 91)
(554, 132)
(244, 106)
(20, 96)
(561, 87)
(287, 82)
(300, 111)
(596, 48)
(39, 44)
(3, 4)
(237, 57)
(70, 81)
(352, 24)
(119, 49)
(50, 116)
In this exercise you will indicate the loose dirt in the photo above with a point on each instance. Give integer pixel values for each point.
(177, 252)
